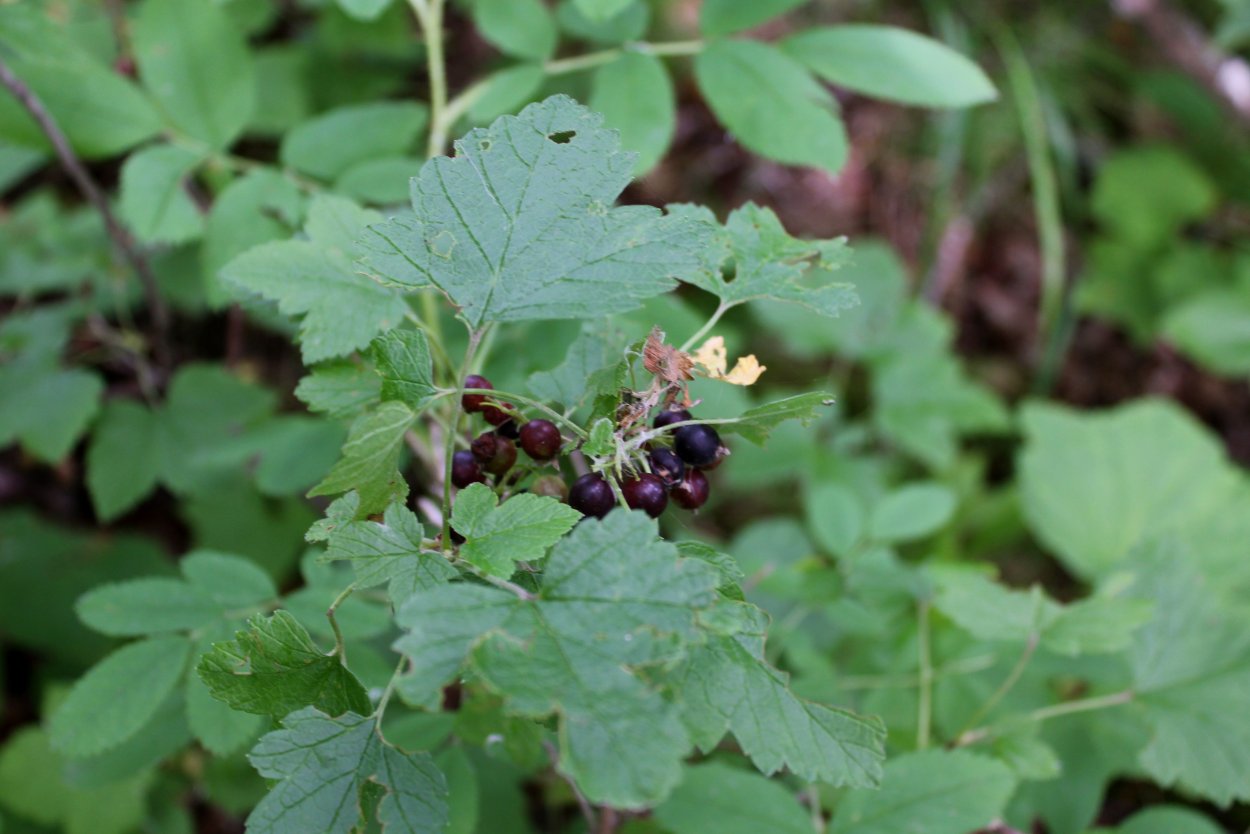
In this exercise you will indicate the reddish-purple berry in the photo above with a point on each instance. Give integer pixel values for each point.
(692, 492)
(508, 429)
(541, 439)
(505, 457)
(465, 470)
(666, 464)
(497, 415)
(591, 495)
(670, 416)
(552, 486)
(697, 445)
(647, 493)
(485, 446)
(473, 402)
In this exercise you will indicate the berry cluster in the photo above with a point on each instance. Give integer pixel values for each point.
(675, 473)
(495, 452)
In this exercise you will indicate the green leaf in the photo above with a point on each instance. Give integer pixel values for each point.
(123, 463)
(46, 408)
(146, 606)
(727, 800)
(728, 686)
(485, 229)
(342, 310)
(1168, 819)
(274, 668)
(614, 597)
(370, 458)
(196, 64)
(756, 424)
(766, 262)
(230, 581)
(328, 146)
(724, 17)
(520, 530)
(154, 200)
(891, 63)
(339, 389)
(403, 361)
(1213, 328)
(260, 207)
(364, 9)
(570, 383)
(100, 111)
(390, 552)
(323, 765)
(383, 180)
(835, 516)
(912, 512)
(118, 695)
(1093, 485)
(602, 9)
(635, 95)
(1146, 195)
(771, 104)
(506, 91)
(614, 22)
(1191, 670)
(524, 28)
(219, 727)
(935, 791)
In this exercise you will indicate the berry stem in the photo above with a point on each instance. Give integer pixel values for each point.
(498, 396)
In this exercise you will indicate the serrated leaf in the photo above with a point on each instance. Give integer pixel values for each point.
(47, 408)
(1091, 515)
(724, 17)
(329, 145)
(524, 28)
(891, 63)
(370, 457)
(519, 224)
(635, 95)
(118, 695)
(154, 200)
(146, 606)
(756, 424)
(339, 389)
(403, 361)
(196, 64)
(771, 104)
(497, 536)
(767, 263)
(230, 581)
(341, 310)
(1191, 670)
(390, 552)
(937, 791)
(728, 686)
(570, 382)
(220, 728)
(259, 207)
(614, 597)
(274, 668)
(324, 764)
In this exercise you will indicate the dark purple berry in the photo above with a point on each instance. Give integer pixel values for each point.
(505, 456)
(497, 415)
(464, 469)
(508, 429)
(591, 495)
(697, 445)
(692, 492)
(666, 464)
(670, 416)
(541, 439)
(485, 446)
(647, 493)
(552, 486)
(473, 402)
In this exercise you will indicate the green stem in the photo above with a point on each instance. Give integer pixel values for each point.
(1046, 713)
(430, 14)
(607, 56)
(453, 426)
(340, 647)
(924, 717)
(498, 395)
(1013, 677)
(387, 693)
(721, 309)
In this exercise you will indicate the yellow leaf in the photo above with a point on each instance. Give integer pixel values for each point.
(714, 358)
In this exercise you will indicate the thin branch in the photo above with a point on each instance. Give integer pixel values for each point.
(340, 645)
(117, 232)
(1046, 713)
